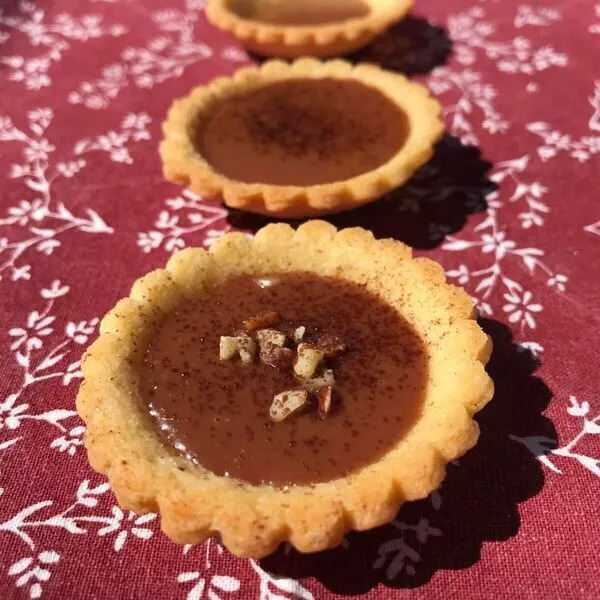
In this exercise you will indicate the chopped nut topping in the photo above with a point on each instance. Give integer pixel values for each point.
(267, 337)
(299, 333)
(324, 401)
(246, 348)
(309, 366)
(331, 345)
(326, 379)
(272, 349)
(276, 356)
(228, 347)
(286, 403)
(308, 360)
(262, 321)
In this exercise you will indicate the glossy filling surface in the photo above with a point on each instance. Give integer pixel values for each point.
(299, 12)
(302, 132)
(216, 412)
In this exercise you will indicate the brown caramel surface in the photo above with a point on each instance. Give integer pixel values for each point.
(217, 412)
(299, 12)
(302, 132)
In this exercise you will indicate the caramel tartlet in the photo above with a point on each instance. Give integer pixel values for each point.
(290, 29)
(301, 139)
(291, 387)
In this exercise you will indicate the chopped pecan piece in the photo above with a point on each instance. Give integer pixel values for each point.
(228, 347)
(261, 321)
(272, 349)
(286, 403)
(244, 345)
(323, 397)
(307, 361)
(246, 348)
(326, 379)
(331, 345)
(272, 337)
(276, 356)
(299, 333)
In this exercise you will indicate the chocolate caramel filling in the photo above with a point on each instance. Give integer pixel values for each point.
(299, 12)
(302, 132)
(216, 412)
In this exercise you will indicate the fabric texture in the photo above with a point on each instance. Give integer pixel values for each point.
(508, 205)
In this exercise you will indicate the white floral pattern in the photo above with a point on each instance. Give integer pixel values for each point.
(555, 141)
(53, 36)
(473, 33)
(185, 215)
(164, 57)
(398, 554)
(38, 364)
(42, 219)
(470, 95)
(491, 240)
(33, 571)
(543, 448)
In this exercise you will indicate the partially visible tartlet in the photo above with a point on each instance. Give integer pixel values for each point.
(321, 28)
(302, 139)
(129, 436)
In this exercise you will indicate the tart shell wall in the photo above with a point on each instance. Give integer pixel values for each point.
(251, 520)
(183, 163)
(293, 41)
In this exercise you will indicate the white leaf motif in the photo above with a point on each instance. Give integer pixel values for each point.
(591, 427)
(226, 583)
(589, 463)
(486, 282)
(576, 409)
(188, 576)
(50, 361)
(291, 586)
(20, 566)
(457, 245)
(96, 224)
(22, 360)
(53, 416)
(8, 443)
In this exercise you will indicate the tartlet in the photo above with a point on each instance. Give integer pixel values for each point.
(151, 473)
(302, 139)
(308, 28)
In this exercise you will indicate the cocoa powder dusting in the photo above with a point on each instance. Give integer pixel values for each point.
(302, 132)
(217, 412)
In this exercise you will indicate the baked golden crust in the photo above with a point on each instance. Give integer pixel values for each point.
(182, 163)
(292, 41)
(252, 520)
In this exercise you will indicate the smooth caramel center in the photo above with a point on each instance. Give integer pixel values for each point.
(216, 412)
(302, 132)
(299, 12)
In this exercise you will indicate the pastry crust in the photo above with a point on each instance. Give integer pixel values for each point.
(183, 163)
(292, 41)
(252, 520)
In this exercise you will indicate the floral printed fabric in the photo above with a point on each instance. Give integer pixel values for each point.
(508, 205)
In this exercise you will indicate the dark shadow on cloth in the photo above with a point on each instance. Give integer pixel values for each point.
(435, 202)
(413, 46)
(478, 501)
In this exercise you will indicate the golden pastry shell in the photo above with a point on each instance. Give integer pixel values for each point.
(292, 41)
(183, 163)
(252, 520)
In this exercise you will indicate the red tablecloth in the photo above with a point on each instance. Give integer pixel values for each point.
(85, 210)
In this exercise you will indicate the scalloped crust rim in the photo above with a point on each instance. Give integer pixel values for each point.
(182, 163)
(252, 521)
(293, 41)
